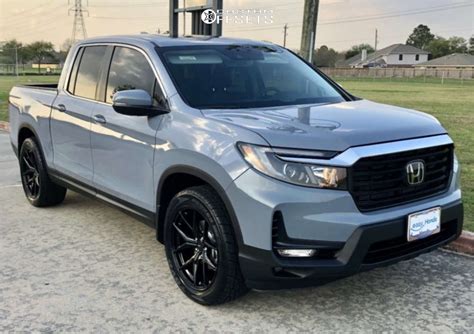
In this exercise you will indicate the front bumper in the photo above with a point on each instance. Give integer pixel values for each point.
(329, 220)
(370, 246)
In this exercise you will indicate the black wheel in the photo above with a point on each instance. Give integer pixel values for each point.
(201, 247)
(38, 188)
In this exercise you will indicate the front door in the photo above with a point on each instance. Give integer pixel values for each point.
(123, 146)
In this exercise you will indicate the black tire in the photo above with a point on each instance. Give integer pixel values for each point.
(38, 187)
(223, 284)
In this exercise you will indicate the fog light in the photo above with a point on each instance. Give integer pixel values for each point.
(296, 252)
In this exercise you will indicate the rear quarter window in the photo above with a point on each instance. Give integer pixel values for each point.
(88, 72)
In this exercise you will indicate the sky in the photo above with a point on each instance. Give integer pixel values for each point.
(341, 23)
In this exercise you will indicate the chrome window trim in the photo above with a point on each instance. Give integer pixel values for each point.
(350, 156)
(80, 46)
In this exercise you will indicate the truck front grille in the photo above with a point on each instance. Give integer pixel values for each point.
(381, 181)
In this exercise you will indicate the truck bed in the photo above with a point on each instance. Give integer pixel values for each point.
(47, 86)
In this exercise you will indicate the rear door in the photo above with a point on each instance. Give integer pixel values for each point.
(72, 112)
(123, 146)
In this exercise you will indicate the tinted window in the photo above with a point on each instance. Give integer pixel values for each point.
(129, 70)
(72, 80)
(89, 72)
(244, 76)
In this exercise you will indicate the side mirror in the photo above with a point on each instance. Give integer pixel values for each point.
(135, 102)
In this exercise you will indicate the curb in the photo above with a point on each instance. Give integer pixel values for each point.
(463, 244)
(5, 126)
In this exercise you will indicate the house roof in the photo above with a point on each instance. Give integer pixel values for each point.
(455, 59)
(400, 48)
(392, 49)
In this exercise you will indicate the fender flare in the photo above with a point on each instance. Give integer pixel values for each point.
(28, 126)
(196, 172)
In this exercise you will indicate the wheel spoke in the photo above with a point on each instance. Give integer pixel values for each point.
(28, 171)
(195, 269)
(195, 225)
(185, 245)
(27, 163)
(188, 262)
(209, 245)
(204, 278)
(208, 261)
(185, 220)
(183, 235)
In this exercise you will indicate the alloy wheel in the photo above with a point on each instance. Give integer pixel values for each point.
(194, 249)
(30, 174)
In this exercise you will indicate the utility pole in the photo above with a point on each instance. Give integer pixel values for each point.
(376, 39)
(16, 60)
(285, 33)
(78, 27)
(308, 34)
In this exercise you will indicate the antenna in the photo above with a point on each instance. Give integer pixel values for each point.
(78, 27)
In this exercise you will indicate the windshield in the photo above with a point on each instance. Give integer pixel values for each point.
(244, 76)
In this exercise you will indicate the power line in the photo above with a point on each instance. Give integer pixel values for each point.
(147, 4)
(374, 17)
(22, 19)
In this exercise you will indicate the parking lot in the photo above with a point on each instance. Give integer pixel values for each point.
(84, 266)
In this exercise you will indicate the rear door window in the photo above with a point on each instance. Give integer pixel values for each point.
(88, 73)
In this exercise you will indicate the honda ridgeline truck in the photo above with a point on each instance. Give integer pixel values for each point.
(255, 169)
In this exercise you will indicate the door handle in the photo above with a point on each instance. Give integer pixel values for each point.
(99, 119)
(61, 107)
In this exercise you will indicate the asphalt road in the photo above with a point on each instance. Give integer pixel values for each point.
(84, 266)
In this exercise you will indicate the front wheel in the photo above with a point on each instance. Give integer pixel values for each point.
(201, 247)
(38, 187)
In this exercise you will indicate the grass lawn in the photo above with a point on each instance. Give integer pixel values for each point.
(452, 103)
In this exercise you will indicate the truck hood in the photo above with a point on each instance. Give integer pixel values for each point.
(332, 127)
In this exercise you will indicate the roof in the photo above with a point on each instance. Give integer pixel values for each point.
(455, 59)
(392, 49)
(162, 40)
(400, 48)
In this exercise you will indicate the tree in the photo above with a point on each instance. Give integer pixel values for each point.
(438, 47)
(457, 45)
(11, 49)
(471, 45)
(38, 51)
(356, 49)
(420, 37)
(64, 49)
(325, 57)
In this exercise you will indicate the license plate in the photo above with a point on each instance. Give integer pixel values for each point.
(423, 224)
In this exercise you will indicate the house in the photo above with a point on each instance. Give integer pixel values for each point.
(455, 60)
(396, 55)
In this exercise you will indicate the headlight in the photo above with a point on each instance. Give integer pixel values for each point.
(266, 161)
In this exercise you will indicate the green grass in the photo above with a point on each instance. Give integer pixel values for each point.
(452, 103)
(7, 82)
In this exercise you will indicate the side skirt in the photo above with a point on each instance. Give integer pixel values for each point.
(145, 216)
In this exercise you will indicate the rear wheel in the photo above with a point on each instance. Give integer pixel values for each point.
(201, 248)
(38, 188)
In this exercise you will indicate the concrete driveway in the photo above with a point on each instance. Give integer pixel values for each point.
(84, 266)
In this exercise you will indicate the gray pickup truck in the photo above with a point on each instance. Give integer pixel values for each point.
(255, 169)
